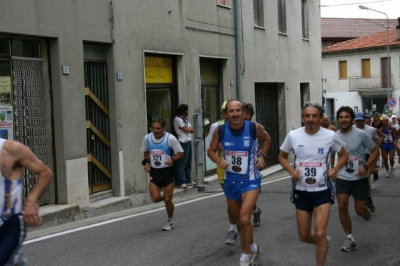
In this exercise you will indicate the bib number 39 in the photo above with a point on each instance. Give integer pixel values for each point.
(310, 172)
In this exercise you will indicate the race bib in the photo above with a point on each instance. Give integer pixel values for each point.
(157, 158)
(238, 161)
(311, 172)
(388, 138)
(351, 166)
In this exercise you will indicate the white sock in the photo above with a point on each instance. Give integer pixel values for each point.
(253, 247)
(232, 227)
(244, 257)
(350, 236)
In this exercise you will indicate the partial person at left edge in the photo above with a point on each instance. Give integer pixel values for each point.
(14, 217)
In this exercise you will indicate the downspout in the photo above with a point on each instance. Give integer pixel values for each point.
(238, 33)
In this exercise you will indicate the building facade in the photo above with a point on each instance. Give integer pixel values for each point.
(81, 80)
(355, 73)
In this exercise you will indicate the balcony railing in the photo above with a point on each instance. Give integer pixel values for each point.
(372, 83)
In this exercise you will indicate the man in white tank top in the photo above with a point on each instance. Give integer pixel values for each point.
(13, 216)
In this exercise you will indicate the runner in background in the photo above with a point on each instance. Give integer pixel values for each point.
(248, 115)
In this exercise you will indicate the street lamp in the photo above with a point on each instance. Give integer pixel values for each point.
(388, 45)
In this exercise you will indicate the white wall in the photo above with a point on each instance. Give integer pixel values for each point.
(339, 88)
(345, 99)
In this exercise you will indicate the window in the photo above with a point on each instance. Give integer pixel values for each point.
(366, 68)
(304, 18)
(4, 46)
(224, 2)
(282, 16)
(5, 71)
(343, 69)
(258, 13)
(25, 48)
(94, 52)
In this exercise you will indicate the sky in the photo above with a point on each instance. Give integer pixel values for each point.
(350, 9)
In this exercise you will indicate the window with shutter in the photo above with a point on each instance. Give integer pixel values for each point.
(343, 69)
(224, 2)
(282, 16)
(366, 68)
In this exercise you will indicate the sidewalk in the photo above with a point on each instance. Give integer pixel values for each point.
(57, 215)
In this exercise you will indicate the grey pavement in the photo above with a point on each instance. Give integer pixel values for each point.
(134, 236)
(61, 217)
(200, 230)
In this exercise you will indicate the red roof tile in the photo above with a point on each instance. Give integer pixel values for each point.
(378, 39)
(352, 27)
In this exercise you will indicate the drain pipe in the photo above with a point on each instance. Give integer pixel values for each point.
(238, 34)
(196, 147)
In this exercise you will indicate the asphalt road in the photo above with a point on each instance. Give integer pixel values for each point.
(200, 230)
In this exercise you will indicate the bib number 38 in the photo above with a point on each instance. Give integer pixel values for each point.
(238, 161)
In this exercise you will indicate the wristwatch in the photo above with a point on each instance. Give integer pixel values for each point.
(265, 155)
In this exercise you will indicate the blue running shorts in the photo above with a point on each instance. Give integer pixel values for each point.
(234, 189)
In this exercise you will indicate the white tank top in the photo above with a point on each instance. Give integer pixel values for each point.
(10, 195)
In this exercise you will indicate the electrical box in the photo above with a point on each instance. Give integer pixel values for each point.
(65, 70)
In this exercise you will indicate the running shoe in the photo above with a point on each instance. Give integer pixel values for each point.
(256, 217)
(254, 257)
(231, 237)
(349, 245)
(376, 176)
(387, 174)
(168, 226)
(191, 183)
(244, 263)
(367, 215)
(370, 205)
(183, 186)
(391, 172)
